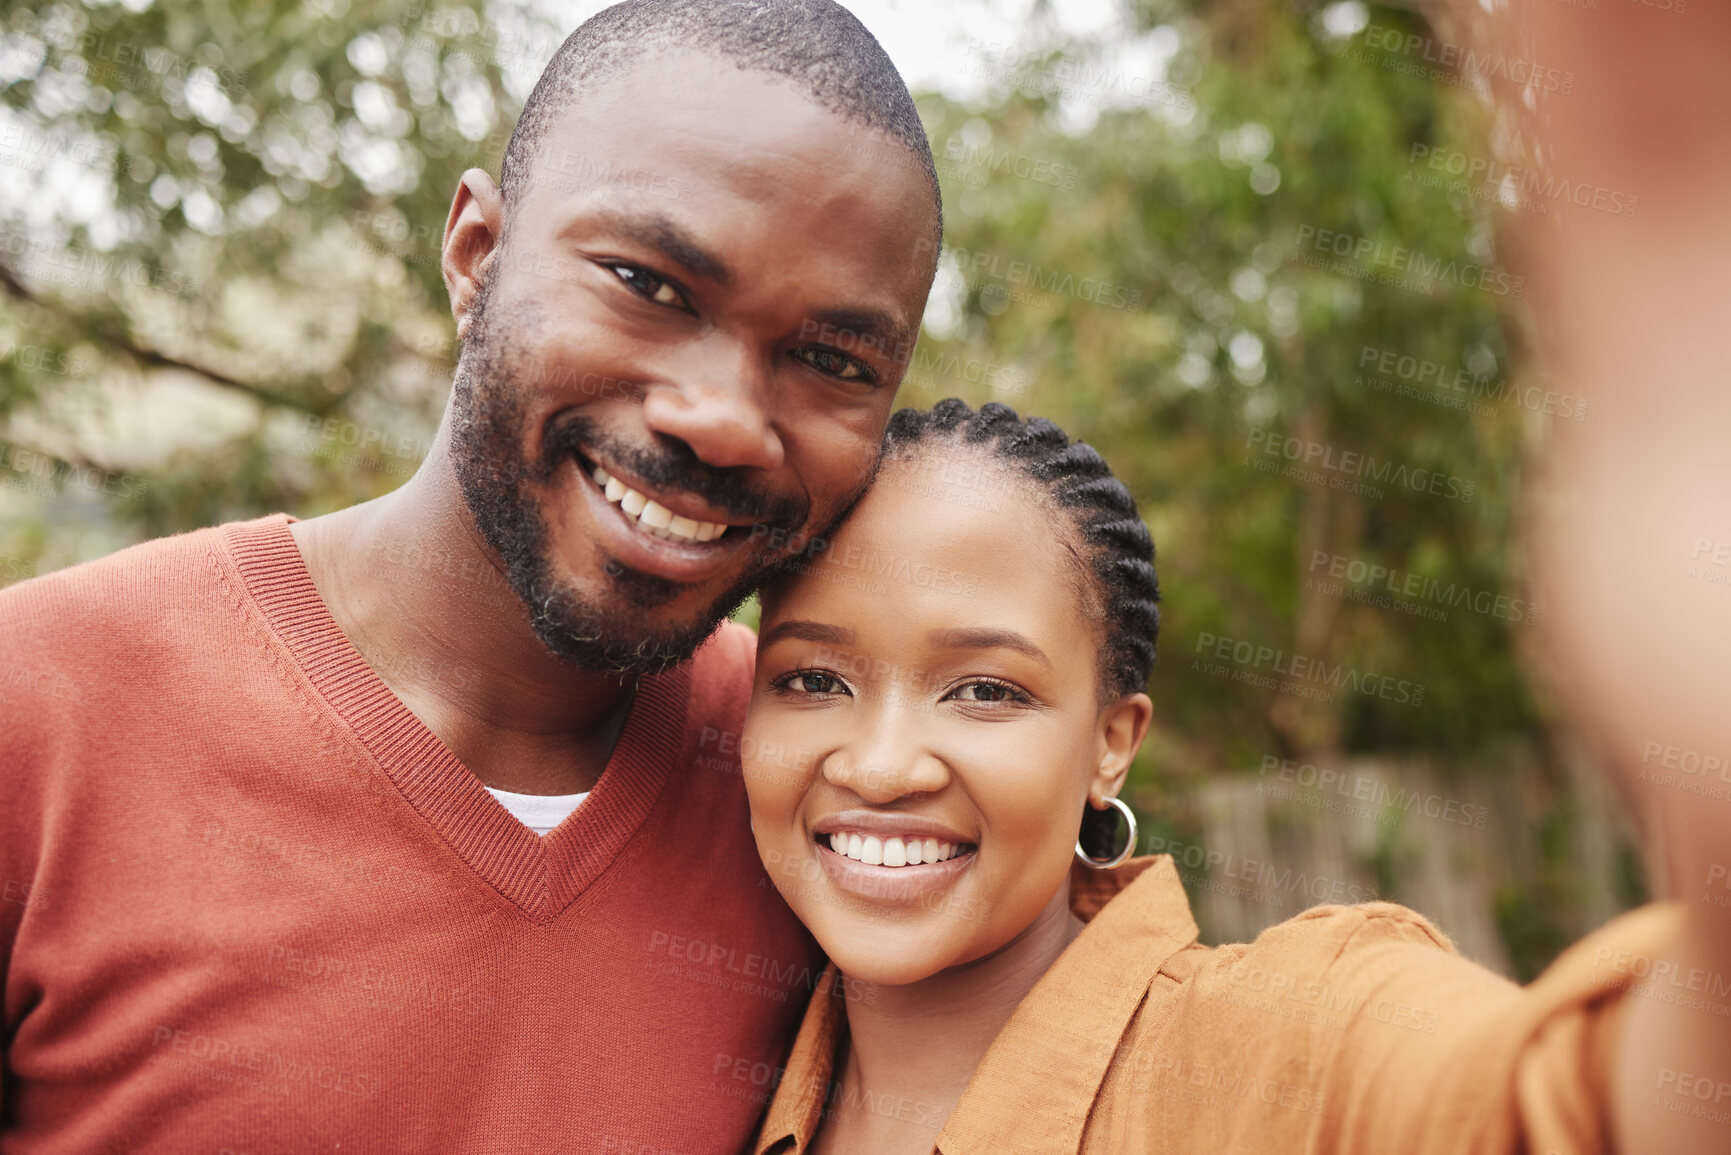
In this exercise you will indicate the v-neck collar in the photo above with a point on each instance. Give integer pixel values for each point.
(1053, 1054)
(541, 875)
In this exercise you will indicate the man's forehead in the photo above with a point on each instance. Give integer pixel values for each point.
(659, 146)
(682, 102)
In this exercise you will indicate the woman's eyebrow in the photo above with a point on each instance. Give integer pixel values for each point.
(986, 639)
(806, 631)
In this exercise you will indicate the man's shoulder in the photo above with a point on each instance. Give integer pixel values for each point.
(107, 605)
(730, 652)
(720, 681)
(723, 666)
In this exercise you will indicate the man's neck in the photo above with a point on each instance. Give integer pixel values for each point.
(920, 1044)
(418, 592)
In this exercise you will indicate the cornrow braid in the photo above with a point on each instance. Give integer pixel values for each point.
(1116, 545)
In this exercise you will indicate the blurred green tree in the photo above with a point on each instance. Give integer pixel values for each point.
(1220, 248)
(247, 197)
(1144, 280)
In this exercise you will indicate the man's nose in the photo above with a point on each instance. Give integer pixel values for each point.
(721, 410)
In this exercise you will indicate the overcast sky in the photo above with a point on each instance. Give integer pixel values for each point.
(928, 39)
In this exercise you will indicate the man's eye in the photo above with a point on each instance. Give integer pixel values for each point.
(985, 692)
(646, 284)
(838, 365)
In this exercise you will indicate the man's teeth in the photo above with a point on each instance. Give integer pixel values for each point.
(651, 516)
(874, 851)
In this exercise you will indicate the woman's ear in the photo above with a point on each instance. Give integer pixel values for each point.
(1122, 727)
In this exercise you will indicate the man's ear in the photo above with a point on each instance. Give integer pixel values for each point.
(472, 233)
(1122, 727)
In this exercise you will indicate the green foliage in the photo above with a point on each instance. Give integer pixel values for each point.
(244, 202)
(259, 196)
(1199, 222)
(254, 199)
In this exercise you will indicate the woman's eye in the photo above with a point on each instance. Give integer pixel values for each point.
(649, 286)
(985, 692)
(813, 682)
(838, 365)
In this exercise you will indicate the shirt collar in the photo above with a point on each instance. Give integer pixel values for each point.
(1052, 1055)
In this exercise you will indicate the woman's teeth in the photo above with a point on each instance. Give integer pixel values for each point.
(875, 851)
(651, 516)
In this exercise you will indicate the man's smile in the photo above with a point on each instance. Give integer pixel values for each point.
(671, 535)
(651, 515)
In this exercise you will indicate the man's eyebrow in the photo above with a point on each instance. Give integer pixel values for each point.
(874, 327)
(961, 638)
(805, 631)
(661, 234)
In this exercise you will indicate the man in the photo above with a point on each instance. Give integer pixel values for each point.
(268, 887)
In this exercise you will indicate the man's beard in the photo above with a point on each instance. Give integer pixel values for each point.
(616, 630)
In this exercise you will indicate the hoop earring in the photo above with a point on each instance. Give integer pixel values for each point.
(1129, 844)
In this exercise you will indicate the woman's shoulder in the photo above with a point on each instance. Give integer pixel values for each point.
(1361, 924)
(1299, 952)
(1149, 889)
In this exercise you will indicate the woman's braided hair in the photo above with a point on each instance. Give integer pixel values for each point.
(1116, 547)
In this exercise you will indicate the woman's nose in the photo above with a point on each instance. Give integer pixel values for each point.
(881, 767)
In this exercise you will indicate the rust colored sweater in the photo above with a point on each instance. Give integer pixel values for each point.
(252, 904)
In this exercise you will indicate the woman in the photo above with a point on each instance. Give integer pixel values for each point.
(941, 696)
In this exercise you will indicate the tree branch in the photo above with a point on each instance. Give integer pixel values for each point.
(115, 336)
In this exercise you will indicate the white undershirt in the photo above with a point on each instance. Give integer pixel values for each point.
(539, 812)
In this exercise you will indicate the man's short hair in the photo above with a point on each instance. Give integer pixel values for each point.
(817, 44)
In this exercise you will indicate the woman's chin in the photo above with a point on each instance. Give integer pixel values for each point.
(886, 964)
(875, 953)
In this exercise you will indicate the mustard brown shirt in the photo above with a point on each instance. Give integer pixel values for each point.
(1345, 1029)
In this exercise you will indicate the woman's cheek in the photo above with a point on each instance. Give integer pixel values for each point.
(777, 766)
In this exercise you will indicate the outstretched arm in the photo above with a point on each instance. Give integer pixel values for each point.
(1633, 535)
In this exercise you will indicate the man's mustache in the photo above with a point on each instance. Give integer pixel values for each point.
(672, 468)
